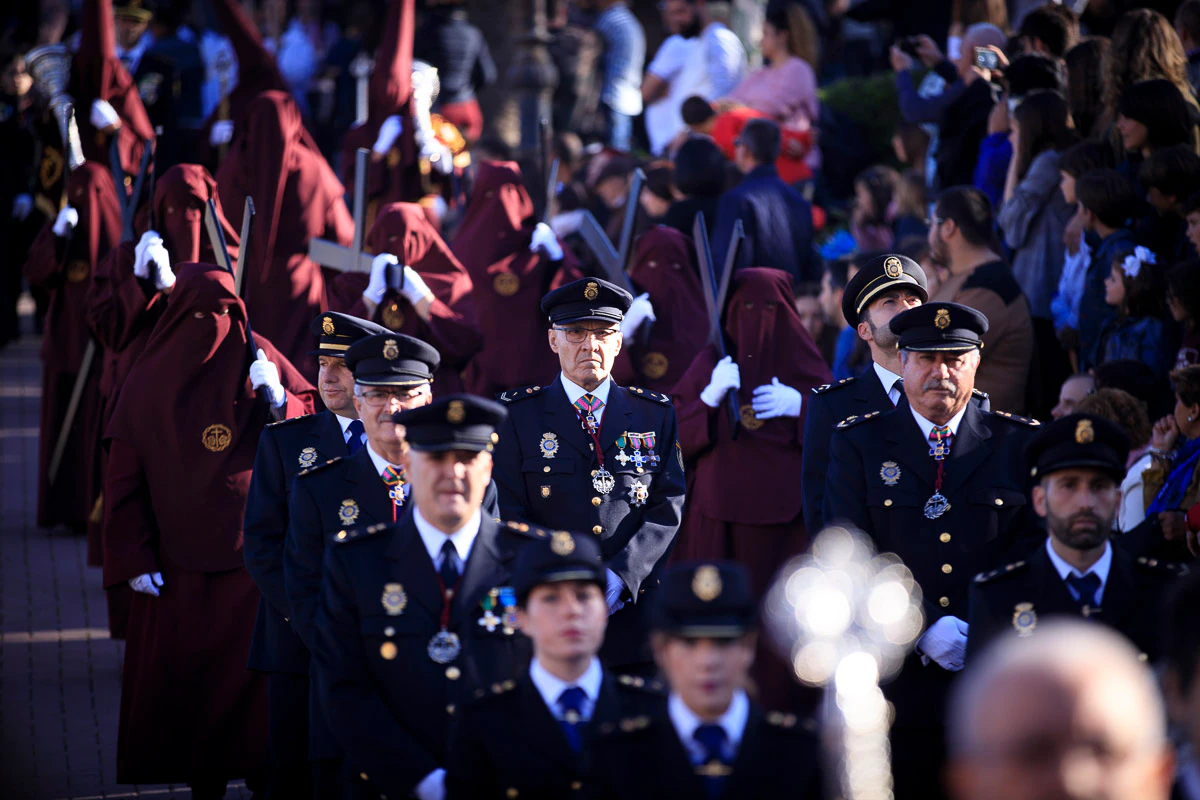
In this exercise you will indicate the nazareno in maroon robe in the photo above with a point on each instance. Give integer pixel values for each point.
(296, 197)
(664, 266)
(182, 443)
(510, 281)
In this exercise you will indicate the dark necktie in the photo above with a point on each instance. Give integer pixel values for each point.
(449, 569)
(898, 386)
(355, 430)
(714, 769)
(1086, 587)
(570, 706)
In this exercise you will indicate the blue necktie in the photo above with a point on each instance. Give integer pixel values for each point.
(570, 705)
(449, 569)
(1085, 587)
(355, 429)
(714, 769)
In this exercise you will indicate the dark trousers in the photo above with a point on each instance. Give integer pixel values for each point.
(287, 737)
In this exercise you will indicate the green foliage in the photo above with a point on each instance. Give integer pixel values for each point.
(871, 103)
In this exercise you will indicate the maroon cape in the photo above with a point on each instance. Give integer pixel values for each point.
(664, 265)
(493, 244)
(296, 197)
(182, 443)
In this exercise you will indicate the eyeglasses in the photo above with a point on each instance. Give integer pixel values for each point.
(379, 397)
(580, 335)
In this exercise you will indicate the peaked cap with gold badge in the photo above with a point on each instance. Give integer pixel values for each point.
(335, 333)
(392, 359)
(705, 600)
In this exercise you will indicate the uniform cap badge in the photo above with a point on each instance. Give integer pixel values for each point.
(706, 583)
(892, 267)
(327, 326)
(1084, 432)
(942, 319)
(561, 544)
(591, 291)
(455, 412)
(391, 350)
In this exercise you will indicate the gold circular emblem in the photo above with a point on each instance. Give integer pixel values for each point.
(391, 316)
(327, 326)
(391, 350)
(78, 271)
(654, 365)
(1024, 619)
(750, 420)
(1084, 432)
(52, 167)
(892, 267)
(706, 583)
(561, 543)
(591, 291)
(506, 284)
(216, 437)
(394, 599)
(942, 319)
(455, 413)
(308, 457)
(387, 650)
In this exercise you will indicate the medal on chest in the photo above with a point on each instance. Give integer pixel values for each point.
(444, 647)
(603, 481)
(937, 504)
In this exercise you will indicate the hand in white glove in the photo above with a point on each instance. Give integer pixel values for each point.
(104, 116)
(544, 239)
(164, 276)
(22, 205)
(639, 311)
(147, 584)
(141, 264)
(377, 287)
(612, 594)
(67, 219)
(725, 376)
(389, 131)
(265, 375)
(774, 399)
(221, 132)
(414, 289)
(945, 642)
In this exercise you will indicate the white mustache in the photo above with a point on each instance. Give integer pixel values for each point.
(949, 386)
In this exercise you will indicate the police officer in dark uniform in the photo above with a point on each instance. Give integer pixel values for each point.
(583, 453)
(285, 449)
(416, 617)
(941, 483)
(708, 739)
(1078, 462)
(531, 741)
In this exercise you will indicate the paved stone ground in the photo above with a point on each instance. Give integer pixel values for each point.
(60, 674)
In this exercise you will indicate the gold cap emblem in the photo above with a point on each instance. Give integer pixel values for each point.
(591, 291)
(892, 267)
(942, 319)
(216, 437)
(561, 544)
(455, 413)
(1084, 433)
(391, 350)
(327, 326)
(706, 583)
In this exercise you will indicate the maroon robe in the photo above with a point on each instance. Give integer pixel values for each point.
(182, 443)
(296, 197)
(767, 340)
(664, 266)
(510, 281)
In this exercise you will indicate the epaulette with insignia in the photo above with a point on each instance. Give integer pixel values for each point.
(513, 395)
(835, 385)
(1033, 423)
(506, 686)
(855, 419)
(1166, 567)
(318, 467)
(646, 394)
(532, 531)
(779, 719)
(980, 395)
(288, 421)
(638, 682)
(1007, 569)
(626, 725)
(359, 533)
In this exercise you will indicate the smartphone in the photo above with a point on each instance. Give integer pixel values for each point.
(986, 59)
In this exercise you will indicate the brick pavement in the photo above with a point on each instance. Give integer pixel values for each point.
(60, 674)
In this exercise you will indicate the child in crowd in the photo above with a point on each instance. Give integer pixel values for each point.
(1137, 331)
(870, 224)
(908, 210)
(1169, 176)
(1183, 301)
(1106, 202)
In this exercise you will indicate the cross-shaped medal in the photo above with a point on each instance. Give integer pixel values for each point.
(489, 620)
(624, 459)
(638, 458)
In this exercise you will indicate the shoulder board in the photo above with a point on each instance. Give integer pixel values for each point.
(513, 395)
(985, 577)
(638, 682)
(779, 719)
(646, 394)
(495, 689)
(525, 529)
(854, 419)
(318, 467)
(289, 421)
(980, 395)
(1164, 567)
(625, 725)
(359, 533)
(836, 384)
(1033, 423)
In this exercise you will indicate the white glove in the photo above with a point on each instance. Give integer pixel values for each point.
(22, 205)
(104, 116)
(377, 287)
(432, 786)
(774, 399)
(544, 239)
(67, 219)
(221, 133)
(612, 594)
(164, 276)
(438, 155)
(265, 375)
(141, 265)
(945, 642)
(389, 131)
(147, 584)
(639, 311)
(725, 376)
(414, 289)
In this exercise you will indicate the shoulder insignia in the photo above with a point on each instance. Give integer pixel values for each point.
(506, 686)
(779, 719)
(646, 394)
(836, 384)
(1033, 423)
(985, 577)
(359, 533)
(525, 529)
(640, 683)
(1165, 567)
(288, 421)
(318, 467)
(980, 395)
(514, 395)
(854, 419)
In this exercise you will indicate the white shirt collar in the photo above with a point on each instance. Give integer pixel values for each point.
(927, 427)
(575, 391)
(379, 461)
(551, 687)
(733, 721)
(886, 377)
(1100, 568)
(433, 539)
(345, 423)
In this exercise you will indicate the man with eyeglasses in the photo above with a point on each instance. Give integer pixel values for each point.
(284, 450)
(586, 454)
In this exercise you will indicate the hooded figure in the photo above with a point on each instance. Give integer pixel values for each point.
(296, 197)
(510, 281)
(181, 444)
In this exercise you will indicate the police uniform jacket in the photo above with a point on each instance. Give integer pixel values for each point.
(508, 743)
(388, 703)
(642, 757)
(1014, 597)
(557, 492)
